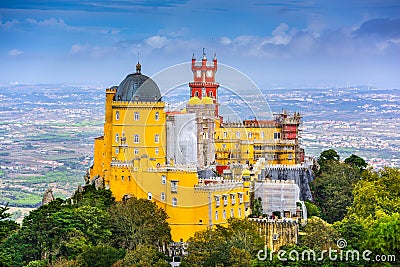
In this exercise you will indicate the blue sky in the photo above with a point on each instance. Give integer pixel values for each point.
(276, 43)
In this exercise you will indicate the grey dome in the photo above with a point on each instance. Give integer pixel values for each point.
(138, 87)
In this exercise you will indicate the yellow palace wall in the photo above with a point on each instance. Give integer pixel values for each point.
(241, 144)
(195, 207)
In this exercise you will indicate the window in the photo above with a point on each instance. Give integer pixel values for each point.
(156, 151)
(117, 115)
(237, 134)
(149, 196)
(223, 146)
(216, 215)
(136, 116)
(290, 156)
(239, 212)
(196, 94)
(136, 151)
(156, 138)
(136, 138)
(210, 94)
(240, 198)
(157, 116)
(162, 196)
(217, 202)
(233, 199)
(224, 214)
(277, 135)
(174, 186)
(249, 135)
(163, 179)
(116, 138)
(122, 178)
(232, 213)
(174, 201)
(225, 198)
(225, 134)
(116, 150)
(262, 135)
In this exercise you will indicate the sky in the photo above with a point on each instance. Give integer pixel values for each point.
(295, 43)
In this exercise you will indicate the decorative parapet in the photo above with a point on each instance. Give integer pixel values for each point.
(216, 187)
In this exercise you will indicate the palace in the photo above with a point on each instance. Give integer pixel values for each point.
(197, 167)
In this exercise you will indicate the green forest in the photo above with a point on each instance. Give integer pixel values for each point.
(352, 203)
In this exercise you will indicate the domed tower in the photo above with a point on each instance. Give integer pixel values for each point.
(134, 126)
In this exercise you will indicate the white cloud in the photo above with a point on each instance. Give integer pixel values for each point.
(14, 52)
(225, 41)
(48, 22)
(114, 31)
(9, 24)
(156, 41)
(77, 48)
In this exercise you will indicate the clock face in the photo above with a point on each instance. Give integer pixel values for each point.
(209, 73)
(198, 73)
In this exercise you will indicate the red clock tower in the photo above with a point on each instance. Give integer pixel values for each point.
(204, 84)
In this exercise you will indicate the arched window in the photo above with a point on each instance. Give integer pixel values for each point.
(156, 138)
(136, 116)
(157, 116)
(117, 115)
(116, 138)
(174, 201)
(149, 196)
(136, 138)
(237, 134)
(216, 215)
(210, 94)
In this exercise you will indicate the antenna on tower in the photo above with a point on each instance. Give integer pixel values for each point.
(212, 45)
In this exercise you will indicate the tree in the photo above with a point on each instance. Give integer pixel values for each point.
(377, 194)
(333, 189)
(90, 196)
(234, 245)
(139, 222)
(326, 157)
(312, 210)
(329, 155)
(319, 235)
(257, 208)
(384, 235)
(144, 256)
(58, 230)
(100, 256)
(356, 161)
(7, 227)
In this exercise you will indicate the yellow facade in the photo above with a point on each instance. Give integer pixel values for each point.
(235, 143)
(138, 168)
(131, 160)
